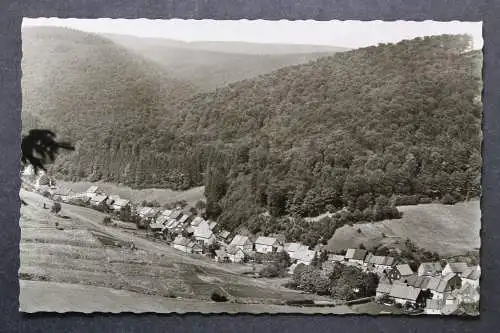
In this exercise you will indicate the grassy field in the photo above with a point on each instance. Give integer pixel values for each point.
(163, 196)
(82, 254)
(448, 230)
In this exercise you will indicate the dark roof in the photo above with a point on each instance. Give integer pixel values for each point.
(356, 254)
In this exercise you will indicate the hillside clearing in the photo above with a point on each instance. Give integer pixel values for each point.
(447, 230)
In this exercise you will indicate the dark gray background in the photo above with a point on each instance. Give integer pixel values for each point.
(11, 13)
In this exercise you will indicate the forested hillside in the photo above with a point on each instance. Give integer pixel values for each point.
(351, 129)
(344, 130)
(213, 65)
(88, 89)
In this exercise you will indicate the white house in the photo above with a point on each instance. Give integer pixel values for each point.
(120, 204)
(293, 248)
(429, 269)
(356, 256)
(266, 244)
(235, 254)
(203, 234)
(93, 191)
(243, 242)
(454, 267)
(304, 256)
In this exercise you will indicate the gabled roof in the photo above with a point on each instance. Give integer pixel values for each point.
(184, 218)
(269, 241)
(156, 226)
(404, 269)
(162, 219)
(430, 267)
(239, 240)
(305, 255)
(439, 283)
(381, 260)
(197, 220)
(417, 281)
(175, 214)
(120, 202)
(93, 189)
(335, 257)
(356, 254)
(212, 224)
(384, 288)
(404, 292)
(472, 273)
(457, 267)
(145, 212)
(99, 198)
(293, 247)
(202, 231)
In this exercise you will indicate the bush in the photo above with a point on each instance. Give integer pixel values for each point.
(406, 200)
(216, 297)
(106, 220)
(56, 207)
(448, 199)
(425, 200)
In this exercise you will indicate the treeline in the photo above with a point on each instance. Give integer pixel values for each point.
(341, 282)
(348, 130)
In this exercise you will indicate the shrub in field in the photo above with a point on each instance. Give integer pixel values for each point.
(56, 208)
(216, 297)
(106, 220)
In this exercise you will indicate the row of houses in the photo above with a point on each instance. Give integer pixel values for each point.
(434, 287)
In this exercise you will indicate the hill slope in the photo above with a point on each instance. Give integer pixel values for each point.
(215, 64)
(89, 89)
(342, 130)
(447, 230)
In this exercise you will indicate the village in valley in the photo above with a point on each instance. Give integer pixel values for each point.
(386, 281)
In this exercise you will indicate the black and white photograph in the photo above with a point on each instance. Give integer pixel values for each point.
(251, 166)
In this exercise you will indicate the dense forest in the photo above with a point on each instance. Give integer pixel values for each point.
(349, 130)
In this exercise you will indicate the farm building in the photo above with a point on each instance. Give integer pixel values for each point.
(235, 254)
(383, 262)
(429, 269)
(454, 267)
(185, 219)
(471, 276)
(356, 256)
(401, 271)
(402, 294)
(266, 244)
(243, 242)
